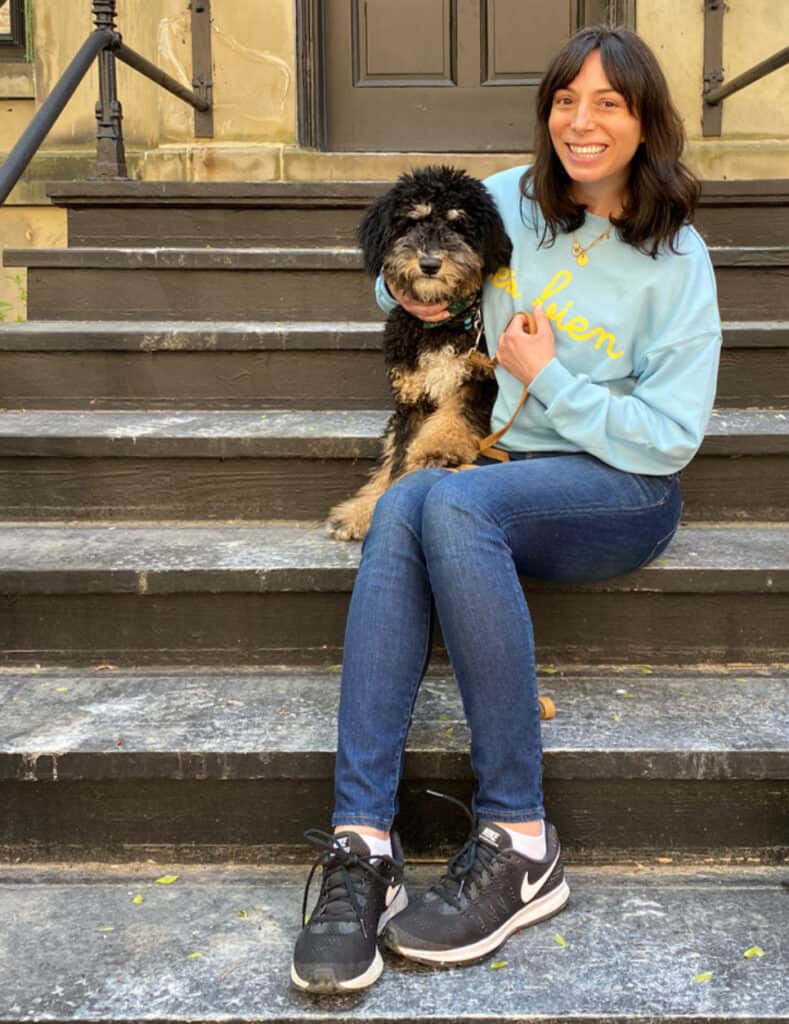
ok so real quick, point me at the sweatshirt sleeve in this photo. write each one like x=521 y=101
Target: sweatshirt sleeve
x=383 y=296
x=660 y=424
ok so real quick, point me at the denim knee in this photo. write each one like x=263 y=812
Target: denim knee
x=400 y=507
x=450 y=515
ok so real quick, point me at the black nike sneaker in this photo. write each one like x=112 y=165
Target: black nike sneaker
x=337 y=949
x=488 y=892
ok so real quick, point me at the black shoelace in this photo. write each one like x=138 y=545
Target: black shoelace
x=472 y=866
x=345 y=880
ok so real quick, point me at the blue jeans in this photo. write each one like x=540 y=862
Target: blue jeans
x=462 y=539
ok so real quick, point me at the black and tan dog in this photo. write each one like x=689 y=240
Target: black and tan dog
x=436 y=235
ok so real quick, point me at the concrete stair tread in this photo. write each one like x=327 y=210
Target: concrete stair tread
x=637 y=944
x=338 y=257
x=627 y=723
x=260 y=557
x=234 y=335
x=330 y=433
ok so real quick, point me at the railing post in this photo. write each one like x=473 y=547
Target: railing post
x=110 y=153
x=712 y=116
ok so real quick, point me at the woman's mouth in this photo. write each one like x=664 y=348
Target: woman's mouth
x=586 y=152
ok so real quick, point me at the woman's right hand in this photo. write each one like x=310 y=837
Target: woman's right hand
x=431 y=312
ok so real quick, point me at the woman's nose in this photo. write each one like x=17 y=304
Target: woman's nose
x=583 y=117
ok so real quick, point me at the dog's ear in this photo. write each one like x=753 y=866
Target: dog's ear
x=495 y=244
x=373 y=233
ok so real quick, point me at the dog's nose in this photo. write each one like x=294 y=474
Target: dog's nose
x=430 y=264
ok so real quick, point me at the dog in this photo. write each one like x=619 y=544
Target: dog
x=436 y=235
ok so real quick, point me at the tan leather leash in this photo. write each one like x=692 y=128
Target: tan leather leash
x=478 y=359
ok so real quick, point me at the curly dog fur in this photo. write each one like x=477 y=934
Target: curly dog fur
x=437 y=235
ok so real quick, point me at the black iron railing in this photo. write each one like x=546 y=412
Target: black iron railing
x=106 y=44
x=715 y=92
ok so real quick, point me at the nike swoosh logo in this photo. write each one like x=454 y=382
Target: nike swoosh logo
x=530 y=889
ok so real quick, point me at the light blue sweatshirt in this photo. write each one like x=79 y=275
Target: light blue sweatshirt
x=637 y=341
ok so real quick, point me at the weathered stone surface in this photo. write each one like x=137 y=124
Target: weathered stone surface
x=646 y=945
x=640 y=723
x=148 y=559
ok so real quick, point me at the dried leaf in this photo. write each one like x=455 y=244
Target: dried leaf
x=645 y=670
x=703 y=977
x=560 y=940
x=63 y=689
x=167 y=879
x=664 y=860
x=194 y=956
x=498 y=964
x=616 y=717
x=549 y=670
x=753 y=952
x=138 y=900
x=242 y=913
x=105 y=666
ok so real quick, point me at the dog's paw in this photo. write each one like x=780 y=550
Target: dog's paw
x=337 y=529
x=442 y=460
x=349 y=520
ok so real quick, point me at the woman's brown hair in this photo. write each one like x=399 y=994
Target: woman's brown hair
x=661 y=191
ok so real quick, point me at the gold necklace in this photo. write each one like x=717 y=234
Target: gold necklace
x=580 y=251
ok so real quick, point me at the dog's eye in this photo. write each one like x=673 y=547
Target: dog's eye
x=420 y=211
x=455 y=214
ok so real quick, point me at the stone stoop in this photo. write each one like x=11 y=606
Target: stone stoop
x=200 y=382
x=639 y=943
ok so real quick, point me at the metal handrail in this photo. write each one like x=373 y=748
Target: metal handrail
x=764 y=67
x=106 y=44
x=714 y=91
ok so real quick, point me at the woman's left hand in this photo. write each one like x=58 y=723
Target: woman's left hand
x=523 y=354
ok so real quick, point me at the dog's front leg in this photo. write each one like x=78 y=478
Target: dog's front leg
x=350 y=520
x=445 y=438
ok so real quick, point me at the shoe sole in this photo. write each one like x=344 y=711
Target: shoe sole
x=324 y=980
x=538 y=910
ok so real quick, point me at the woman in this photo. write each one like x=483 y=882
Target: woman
x=621 y=375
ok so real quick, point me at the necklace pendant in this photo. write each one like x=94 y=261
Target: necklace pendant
x=581 y=258
x=577 y=250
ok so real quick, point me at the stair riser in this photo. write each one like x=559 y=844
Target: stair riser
x=744 y=293
x=714 y=488
x=217 y=626
x=204 y=225
x=252 y=820
x=318 y=379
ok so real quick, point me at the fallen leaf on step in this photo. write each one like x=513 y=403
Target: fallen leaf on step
x=104 y=667
x=498 y=964
x=704 y=976
x=560 y=940
x=167 y=879
x=753 y=952
x=138 y=900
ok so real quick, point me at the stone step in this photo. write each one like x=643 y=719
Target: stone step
x=278 y=283
x=277 y=593
x=297 y=465
x=103 y=364
x=327 y=213
x=208 y=765
x=645 y=943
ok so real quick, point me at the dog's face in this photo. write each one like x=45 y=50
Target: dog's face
x=437 y=234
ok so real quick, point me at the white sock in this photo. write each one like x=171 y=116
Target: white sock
x=377 y=847
x=533 y=847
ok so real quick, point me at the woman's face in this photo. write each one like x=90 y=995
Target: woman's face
x=593 y=132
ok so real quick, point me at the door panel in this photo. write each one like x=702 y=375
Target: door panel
x=437 y=75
